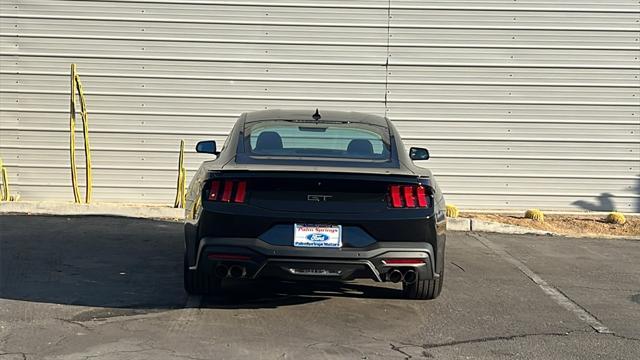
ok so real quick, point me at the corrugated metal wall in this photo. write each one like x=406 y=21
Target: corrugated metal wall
x=522 y=103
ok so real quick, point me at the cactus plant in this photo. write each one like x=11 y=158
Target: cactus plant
x=452 y=211
x=616 y=218
x=534 y=214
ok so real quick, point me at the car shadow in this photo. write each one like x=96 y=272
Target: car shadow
x=271 y=293
x=124 y=263
x=93 y=261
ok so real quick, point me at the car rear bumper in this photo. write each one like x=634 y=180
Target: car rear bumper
x=258 y=258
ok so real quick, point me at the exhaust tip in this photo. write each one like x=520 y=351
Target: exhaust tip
x=236 y=272
x=221 y=271
x=395 y=276
x=410 y=277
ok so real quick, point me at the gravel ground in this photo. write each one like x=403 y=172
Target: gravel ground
x=570 y=225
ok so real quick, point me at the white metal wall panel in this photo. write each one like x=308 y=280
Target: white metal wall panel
x=156 y=72
x=522 y=103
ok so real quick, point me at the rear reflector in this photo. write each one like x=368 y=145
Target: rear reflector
x=404 y=261
x=226 y=190
x=408 y=196
x=216 y=256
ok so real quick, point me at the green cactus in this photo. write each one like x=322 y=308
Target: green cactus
x=616 y=218
x=534 y=214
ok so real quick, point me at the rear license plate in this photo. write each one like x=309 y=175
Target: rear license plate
x=319 y=236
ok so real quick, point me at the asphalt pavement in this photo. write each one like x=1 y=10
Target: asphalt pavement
x=111 y=288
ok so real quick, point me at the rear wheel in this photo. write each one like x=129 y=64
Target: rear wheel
x=199 y=283
x=423 y=289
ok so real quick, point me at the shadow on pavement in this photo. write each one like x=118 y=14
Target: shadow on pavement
x=124 y=263
x=274 y=293
x=91 y=261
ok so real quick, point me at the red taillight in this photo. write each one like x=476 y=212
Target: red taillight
x=423 y=199
x=226 y=194
x=226 y=190
x=396 y=200
x=408 y=196
x=241 y=191
x=215 y=188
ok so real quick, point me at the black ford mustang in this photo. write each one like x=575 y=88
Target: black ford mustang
x=327 y=195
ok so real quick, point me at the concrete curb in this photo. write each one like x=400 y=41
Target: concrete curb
x=462 y=224
x=496 y=227
x=106 y=209
x=458 y=224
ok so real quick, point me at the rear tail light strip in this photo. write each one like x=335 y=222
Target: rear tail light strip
x=408 y=196
x=228 y=191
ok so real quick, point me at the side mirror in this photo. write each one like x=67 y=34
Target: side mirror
x=206 y=147
x=416 y=153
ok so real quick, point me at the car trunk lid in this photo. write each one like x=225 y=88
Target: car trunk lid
x=316 y=192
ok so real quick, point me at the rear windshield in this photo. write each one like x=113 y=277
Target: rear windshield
x=318 y=140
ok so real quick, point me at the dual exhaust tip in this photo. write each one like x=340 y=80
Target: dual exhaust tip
x=233 y=271
x=408 y=276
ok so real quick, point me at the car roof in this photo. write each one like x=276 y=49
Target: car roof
x=307 y=114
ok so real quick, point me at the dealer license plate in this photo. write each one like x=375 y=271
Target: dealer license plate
x=319 y=236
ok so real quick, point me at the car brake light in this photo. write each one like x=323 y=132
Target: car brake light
x=423 y=199
x=396 y=200
x=215 y=188
x=226 y=194
x=226 y=190
x=240 y=192
x=408 y=196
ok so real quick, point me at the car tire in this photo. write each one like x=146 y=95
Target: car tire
x=423 y=289
x=199 y=283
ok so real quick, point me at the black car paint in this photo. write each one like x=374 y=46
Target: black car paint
x=247 y=223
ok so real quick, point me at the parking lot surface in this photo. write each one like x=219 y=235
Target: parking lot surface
x=111 y=288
